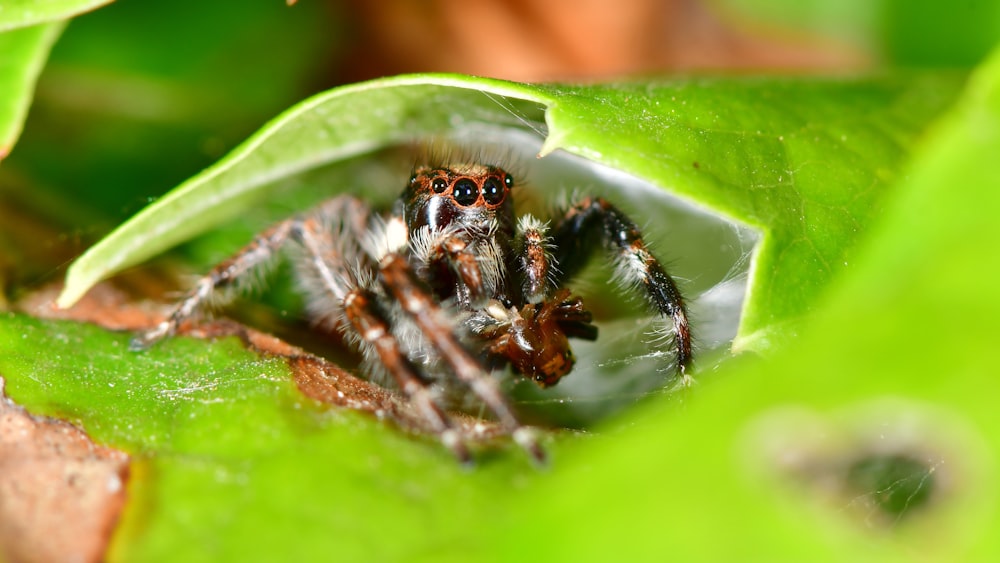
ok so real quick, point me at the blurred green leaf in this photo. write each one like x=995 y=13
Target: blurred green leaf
x=901 y=358
x=129 y=107
x=942 y=34
x=24 y=13
x=854 y=21
x=24 y=53
x=899 y=32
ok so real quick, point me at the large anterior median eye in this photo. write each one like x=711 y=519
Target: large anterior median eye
x=492 y=191
x=465 y=192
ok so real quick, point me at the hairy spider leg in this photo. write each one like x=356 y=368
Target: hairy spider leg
x=400 y=281
x=366 y=317
x=260 y=252
x=591 y=217
x=328 y=235
x=254 y=255
x=371 y=323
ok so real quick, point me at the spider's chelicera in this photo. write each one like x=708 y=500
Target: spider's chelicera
x=451 y=285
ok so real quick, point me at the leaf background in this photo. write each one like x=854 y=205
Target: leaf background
x=230 y=461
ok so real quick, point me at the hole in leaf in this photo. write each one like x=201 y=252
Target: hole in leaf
x=888 y=466
x=896 y=484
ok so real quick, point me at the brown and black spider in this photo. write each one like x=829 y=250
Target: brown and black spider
x=452 y=285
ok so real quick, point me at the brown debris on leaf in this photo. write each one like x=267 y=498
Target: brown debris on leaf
x=326 y=382
x=60 y=494
x=104 y=305
x=317 y=378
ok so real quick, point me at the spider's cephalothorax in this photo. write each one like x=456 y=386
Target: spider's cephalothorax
x=468 y=208
x=451 y=285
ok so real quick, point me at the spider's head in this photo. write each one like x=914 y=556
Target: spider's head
x=467 y=194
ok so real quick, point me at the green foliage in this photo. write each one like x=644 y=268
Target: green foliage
x=785 y=156
x=921 y=34
x=866 y=432
x=24 y=53
x=24 y=13
x=232 y=461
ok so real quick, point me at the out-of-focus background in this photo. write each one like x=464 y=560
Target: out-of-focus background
x=139 y=96
x=567 y=40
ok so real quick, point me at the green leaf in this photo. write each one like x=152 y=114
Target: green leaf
x=805 y=161
x=23 y=13
x=760 y=151
x=182 y=100
x=333 y=126
x=24 y=53
x=900 y=359
x=233 y=462
x=902 y=33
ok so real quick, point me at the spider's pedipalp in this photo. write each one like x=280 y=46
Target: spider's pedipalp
x=536 y=260
x=475 y=260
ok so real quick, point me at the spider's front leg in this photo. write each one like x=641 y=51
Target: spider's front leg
x=399 y=280
x=362 y=311
x=593 y=220
x=343 y=296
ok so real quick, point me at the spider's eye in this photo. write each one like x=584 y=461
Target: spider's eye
x=508 y=180
x=465 y=192
x=439 y=185
x=492 y=191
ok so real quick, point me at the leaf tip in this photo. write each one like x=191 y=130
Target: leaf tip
x=549 y=146
x=73 y=290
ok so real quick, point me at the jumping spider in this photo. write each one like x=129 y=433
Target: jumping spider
x=452 y=283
